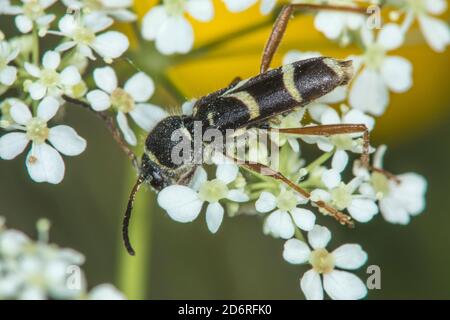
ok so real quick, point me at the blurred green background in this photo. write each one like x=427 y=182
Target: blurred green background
x=184 y=261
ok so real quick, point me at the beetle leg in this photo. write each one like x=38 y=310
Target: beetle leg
x=334 y=129
x=259 y=168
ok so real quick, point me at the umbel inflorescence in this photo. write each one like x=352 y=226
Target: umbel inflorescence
x=35 y=85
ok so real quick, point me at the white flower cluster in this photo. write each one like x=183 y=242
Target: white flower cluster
x=34 y=83
x=38 y=270
x=370 y=191
x=167 y=25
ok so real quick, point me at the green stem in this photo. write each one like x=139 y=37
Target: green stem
x=134 y=271
x=319 y=161
x=35 y=52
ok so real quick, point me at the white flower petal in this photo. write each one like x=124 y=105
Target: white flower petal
x=20 y=113
x=331 y=178
x=201 y=10
x=97 y=21
x=393 y=212
x=369 y=93
x=279 y=224
x=105 y=78
x=66 y=140
x=311 y=285
x=12 y=144
x=435 y=31
x=293 y=143
x=47 y=108
x=188 y=107
x=303 y=218
x=32 y=69
x=140 y=87
x=70 y=76
x=128 y=134
x=349 y=256
x=37 y=90
x=316 y=110
x=391 y=36
x=86 y=51
x=237 y=195
x=153 y=21
x=239 y=5
x=436 y=7
x=175 y=36
x=111 y=44
x=356 y=116
x=8 y=75
x=99 y=100
x=319 y=194
x=330 y=116
x=362 y=210
x=227 y=172
x=266 y=202
x=199 y=178
x=65 y=46
x=105 y=292
x=295 y=55
x=147 y=115
x=331 y=24
x=296 y=251
x=342 y=285
x=319 y=237
x=13 y=242
x=23 y=23
x=67 y=24
x=335 y=96
x=181 y=203
x=267 y=6
x=123 y=15
x=51 y=60
x=339 y=161
x=397 y=73
x=45 y=164
x=214 y=216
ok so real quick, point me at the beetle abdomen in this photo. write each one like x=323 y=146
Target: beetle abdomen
x=276 y=91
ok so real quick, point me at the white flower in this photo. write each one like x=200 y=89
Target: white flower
x=435 y=31
x=6 y=121
x=43 y=161
x=30 y=13
x=265 y=7
x=48 y=80
x=82 y=34
x=398 y=200
x=325 y=115
x=282 y=222
x=129 y=100
x=292 y=120
x=339 y=25
x=369 y=91
x=8 y=74
x=117 y=9
x=105 y=292
x=169 y=28
x=342 y=196
x=37 y=270
x=339 y=285
x=183 y=203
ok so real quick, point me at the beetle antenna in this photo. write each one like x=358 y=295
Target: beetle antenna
x=127 y=216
